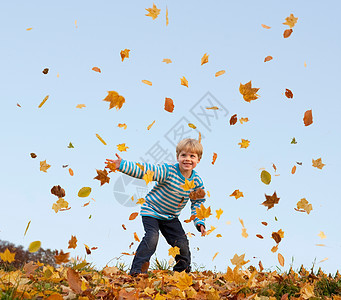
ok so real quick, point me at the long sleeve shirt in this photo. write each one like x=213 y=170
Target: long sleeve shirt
x=167 y=198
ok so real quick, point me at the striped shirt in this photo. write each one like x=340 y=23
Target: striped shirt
x=167 y=198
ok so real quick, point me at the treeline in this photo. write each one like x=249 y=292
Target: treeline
x=23 y=256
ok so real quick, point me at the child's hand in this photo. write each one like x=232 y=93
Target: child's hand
x=117 y=161
x=202 y=230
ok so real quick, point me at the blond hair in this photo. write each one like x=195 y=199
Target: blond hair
x=191 y=145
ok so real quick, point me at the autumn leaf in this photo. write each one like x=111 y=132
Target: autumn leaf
x=34 y=246
x=293 y=141
x=71 y=172
x=140 y=201
x=74 y=280
x=304 y=204
x=60 y=204
x=322 y=235
x=72 y=242
x=169 y=105
x=192 y=126
x=293 y=170
x=124 y=126
x=265 y=177
x=122 y=147
x=264 y=223
x=239 y=261
x=30 y=267
x=58 y=191
x=244 y=233
x=233 y=119
x=265 y=26
x=7 y=256
x=204 y=59
x=184 y=81
x=153 y=12
x=99 y=137
x=148 y=176
x=259 y=236
x=167 y=61
x=243 y=120
x=237 y=194
x=111 y=166
x=44 y=166
x=124 y=54
x=133 y=216
x=197 y=194
x=287 y=33
x=70 y=145
x=96 y=69
x=115 y=99
x=212 y=107
x=150 y=125
x=219 y=73
x=167 y=20
x=28 y=225
x=270 y=200
x=289 y=94
x=43 y=102
x=203 y=212
x=268 y=58
x=61 y=257
x=274 y=249
x=244 y=143
x=28 y=29
x=218 y=235
x=188 y=185
x=190 y=219
x=281 y=259
x=147 y=82
x=215 y=255
x=290 y=21
x=219 y=212
x=136 y=237
x=102 y=176
x=33 y=155
x=45 y=71
x=318 y=163
x=174 y=251
x=183 y=280
x=214 y=158
x=84 y=192
x=248 y=92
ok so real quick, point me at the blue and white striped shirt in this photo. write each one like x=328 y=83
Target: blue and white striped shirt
x=167 y=198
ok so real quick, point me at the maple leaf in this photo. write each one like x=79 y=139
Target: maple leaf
x=111 y=166
x=268 y=58
x=174 y=251
x=140 y=201
x=184 y=81
x=122 y=147
x=7 y=256
x=70 y=145
x=219 y=73
x=190 y=219
x=150 y=125
x=244 y=143
x=58 y=191
x=124 y=126
x=219 y=212
x=293 y=141
x=188 y=185
x=124 y=54
x=147 y=82
x=115 y=99
x=72 y=242
x=322 y=235
x=239 y=261
x=242 y=120
x=304 y=204
x=291 y=21
x=96 y=69
x=102 y=176
x=153 y=12
x=203 y=212
x=184 y=280
x=60 y=204
x=248 y=92
x=211 y=230
x=233 y=119
x=30 y=267
x=271 y=200
x=44 y=166
x=169 y=105
x=204 y=59
x=167 y=60
x=318 y=163
x=148 y=176
x=136 y=237
x=237 y=194
x=61 y=257
x=133 y=216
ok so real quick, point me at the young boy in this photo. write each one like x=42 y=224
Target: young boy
x=165 y=201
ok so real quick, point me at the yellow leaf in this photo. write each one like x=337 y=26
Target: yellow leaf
x=307 y=291
x=140 y=166
x=44 y=100
x=322 y=235
x=219 y=73
x=153 y=12
x=28 y=225
x=291 y=21
x=7 y=256
x=237 y=194
x=304 y=204
x=148 y=176
x=211 y=230
x=218 y=235
x=188 y=185
x=244 y=143
x=173 y=251
x=124 y=126
x=28 y=29
x=318 y=163
x=192 y=126
x=167 y=61
x=84 y=192
x=140 y=201
x=242 y=120
x=167 y=20
x=326 y=258
x=204 y=59
x=248 y=92
x=305 y=64
x=265 y=177
x=124 y=54
x=80 y=105
x=184 y=81
x=99 y=137
x=208 y=194
x=244 y=233
x=241 y=222
x=147 y=82
x=184 y=281
x=203 y=212
x=122 y=147
x=150 y=125
x=219 y=212
x=215 y=255
x=44 y=166
x=34 y=246
x=115 y=99
x=239 y=260
x=136 y=237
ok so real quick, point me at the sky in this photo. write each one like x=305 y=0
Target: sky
x=70 y=38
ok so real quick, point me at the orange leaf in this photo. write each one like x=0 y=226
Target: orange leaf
x=72 y=242
x=74 y=281
x=259 y=236
x=268 y=58
x=184 y=81
x=99 y=137
x=265 y=223
x=61 y=257
x=96 y=69
x=190 y=219
x=136 y=237
x=274 y=248
x=219 y=73
x=147 y=82
x=124 y=227
x=293 y=170
x=71 y=171
x=214 y=158
x=281 y=259
x=102 y=176
x=287 y=33
x=133 y=215
x=115 y=99
x=308 y=118
x=124 y=54
x=124 y=126
x=289 y=93
x=265 y=26
x=169 y=105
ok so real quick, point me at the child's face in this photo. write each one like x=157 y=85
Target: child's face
x=187 y=160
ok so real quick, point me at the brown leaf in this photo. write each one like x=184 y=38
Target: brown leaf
x=145 y=267
x=72 y=242
x=74 y=281
x=124 y=227
x=289 y=93
x=271 y=200
x=102 y=176
x=261 y=268
x=45 y=71
x=276 y=237
x=285 y=296
x=18 y=105
x=233 y=119
x=133 y=215
x=268 y=58
x=58 y=191
x=96 y=69
x=287 y=33
x=265 y=223
x=197 y=194
x=61 y=257
x=308 y=118
x=169 y=105
x=55 y=297
x=259 y=236
x=87 y=249
x=33 y=155
x=30 y=267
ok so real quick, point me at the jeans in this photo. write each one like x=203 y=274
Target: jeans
x=174 y=235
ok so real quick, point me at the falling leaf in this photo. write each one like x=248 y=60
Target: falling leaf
x=244 y=143
x=289 y=94
x=265 y=223
x=192 y=126
x=304 y=204
x=61 y=257
x=124 y=126
x=74 y=281
x=45 y=71
x=270 y=200
x=76 y=24
x=70 y=145
x=115 y=99
x=293 y=170
x=96 y=69
x=322 y=235
x=321 y=245
x=58 y=191
x=60 y=204
x=140 y=201
x=291 y=21
x=70 y=171
x=239 y=261
x=215 y=255
x=133 y=216
x=287 y=33
x=34 y=246
x=57 y=75
x=281 y=259
x=147 y=82
x=18 y=105
x=203 y=212
x=111 y=166
x=214 y=158
x=219 y=73
x=242 y=120
x=87 y=249
x=28 y=225
x=212 y=107
x=44 y=166
x=148 y=176
x=28 y=29
x=204 y=59
x=150 y=125
x=72 y=242
x=184 y=81
x=169 y=105
x=30 y=267
x=197 y=194
x=219 y=212
x=136 y=237
x=259 y=236
x=268 y=58
x=265 y=26
x=265 y=177
x=80 y=105
x=274 y=249
x=153 y=12
x=248 y=92
x=167 y=60
x=99 y=137
x=188 y=185
x=305 y=64
x=244 y=233
x=122 y=147
x=233 y=119
x=84 y=192
x=43 y=102
x=174 y=251
x=124 y=54
x=7 y=256
x=293 y=141
x=323 y=260
x=218 y=235
x=124 y=227
x=86 y=204
x=237 y=194
x=167 y=22
x=102 y=176
x=318 y=163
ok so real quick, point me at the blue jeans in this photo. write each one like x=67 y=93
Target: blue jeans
x=174 y=235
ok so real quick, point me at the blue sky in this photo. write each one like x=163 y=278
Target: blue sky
x=232 y=35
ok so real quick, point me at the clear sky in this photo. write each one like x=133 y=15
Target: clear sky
x=72 y=37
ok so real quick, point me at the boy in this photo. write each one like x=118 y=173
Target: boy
x=165 y=201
